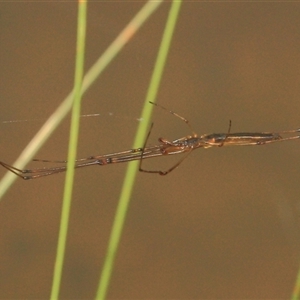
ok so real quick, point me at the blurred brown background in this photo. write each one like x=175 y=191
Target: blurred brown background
x=225 y=224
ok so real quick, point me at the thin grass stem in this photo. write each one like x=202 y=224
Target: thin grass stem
x=132 y=168
x=73 y=141
x=296 y=290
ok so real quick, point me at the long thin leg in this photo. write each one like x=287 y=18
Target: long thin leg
x=34 y=173
x=281 y=139
x=169 y=170
x=229 y=128
x=186 y=121
x=144 y=146
x=14 y=170
x=31 y=174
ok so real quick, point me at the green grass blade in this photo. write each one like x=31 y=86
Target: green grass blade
x=296 y=291
x=73 y=141
x=138 y=142
x=55 y=119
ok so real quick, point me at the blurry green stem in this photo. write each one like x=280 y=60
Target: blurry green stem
x=138 y=142
x=296 y=291
x=73 y=141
